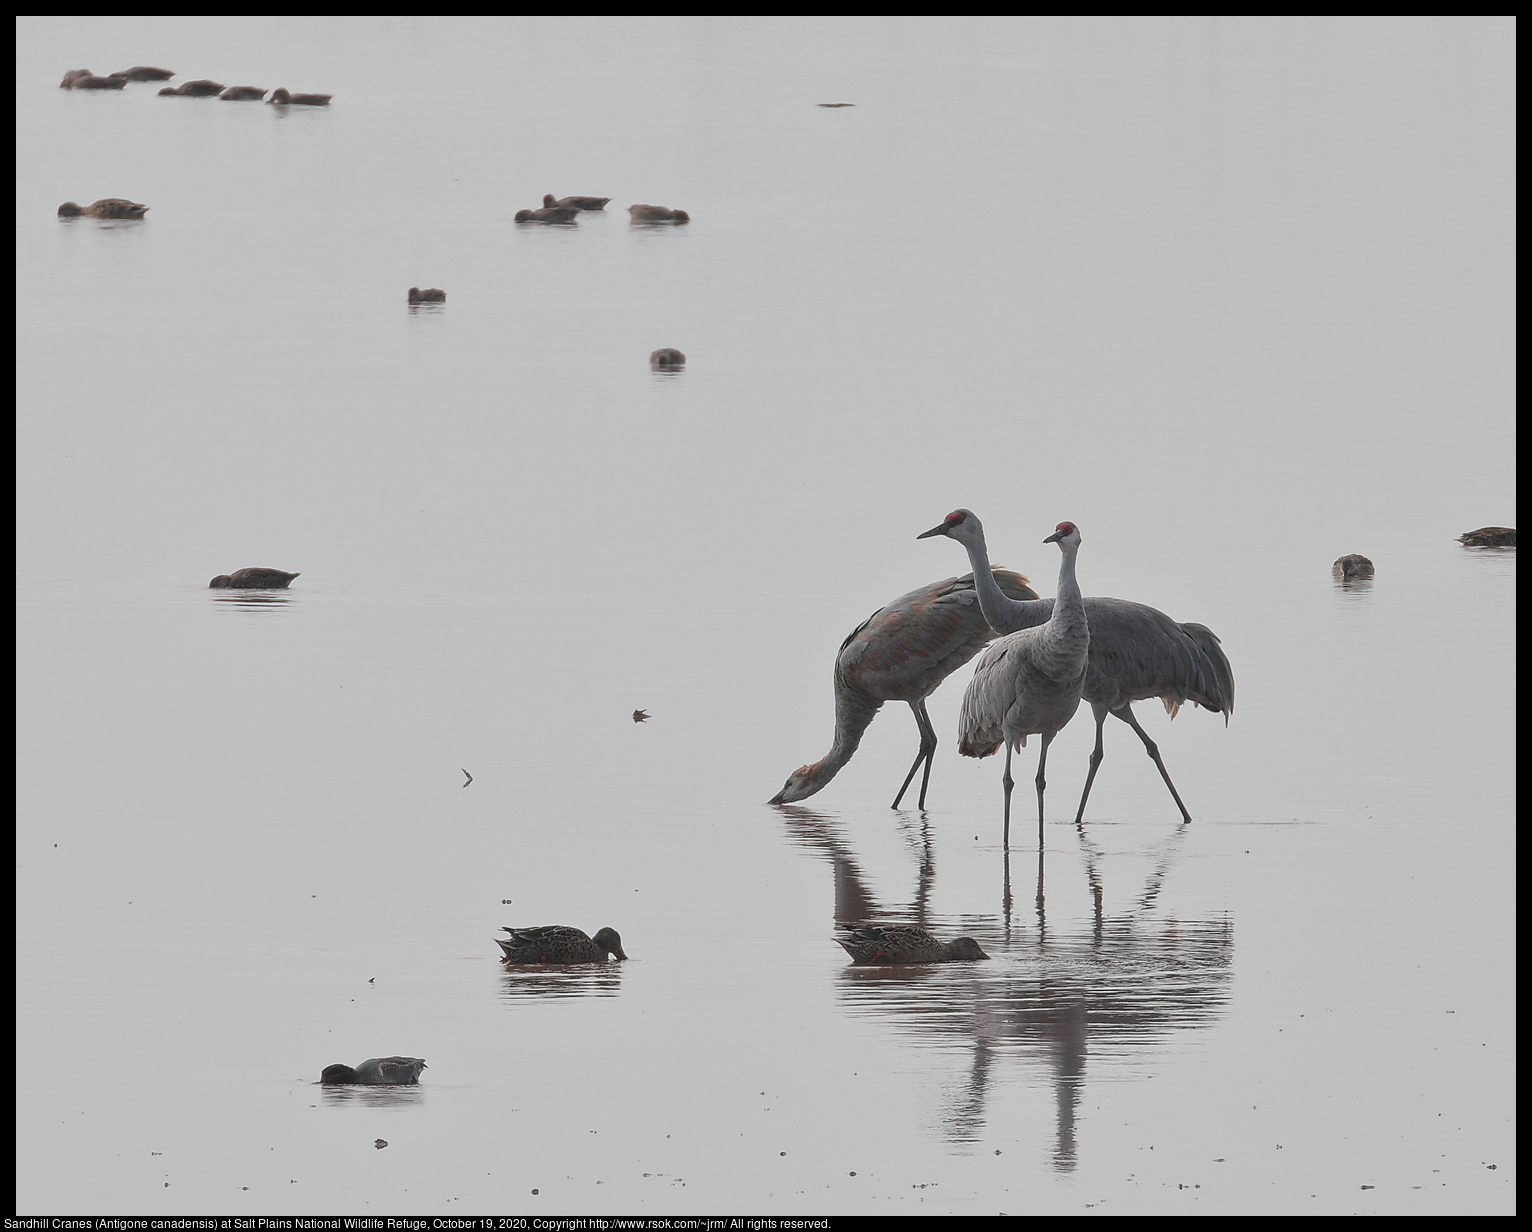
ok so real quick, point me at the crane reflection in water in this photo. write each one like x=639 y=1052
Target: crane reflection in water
x=1058 y=993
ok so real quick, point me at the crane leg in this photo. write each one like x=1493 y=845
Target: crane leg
x=1042 y=760
x=1095 y=760
x=1009 y=783
x=1126 y=715
x=926 y=754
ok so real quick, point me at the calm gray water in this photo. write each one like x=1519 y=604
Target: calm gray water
x=1231 y=294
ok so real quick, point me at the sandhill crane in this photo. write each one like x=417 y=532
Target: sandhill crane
x=1136 y=652
x=1028 y=683
x=901 y=653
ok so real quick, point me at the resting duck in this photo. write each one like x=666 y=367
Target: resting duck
x=907 y=945
x=578 y=203
x=252 y=579
x=1353 y=566
x=195 y=89
x=281 y=97
x=107 y=207
x=142 y=72
x=376 y=1071
x=431 y=295
x=667 y=357
x=557 y=213
x=243 y=94
x=1489 y=537
x=657 y=213
x=557 y=943
x=84 y=79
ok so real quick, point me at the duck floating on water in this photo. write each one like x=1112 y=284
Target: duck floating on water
x=84 y=79
x=195 y=89
x=869 y=945
x=667 y=359
x=1489 y=537
x=243 y=94
x=558 y=943
x=282 y=98
x=252 y=579
x=107 y=207
x=1353 y=566
x=431 y=295
x=578 y=203
x=143 y=72
x=556 y=213
x=375 y=1072
x=657 y=213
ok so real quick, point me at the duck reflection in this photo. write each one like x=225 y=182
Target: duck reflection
x=1117 y=985
x=253 y=598
x=557 y=980
x=1353 y=587
x=372 y=1096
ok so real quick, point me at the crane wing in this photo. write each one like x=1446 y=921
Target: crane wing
x=989 y=694
x=1138 y=652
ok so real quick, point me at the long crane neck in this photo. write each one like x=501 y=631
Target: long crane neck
x=853 y=712
x=1066 y=636
x=1002 y=613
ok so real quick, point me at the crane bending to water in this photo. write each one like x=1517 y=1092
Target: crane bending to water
x=1028 y=683
x=1136 y=652
x=901 y=653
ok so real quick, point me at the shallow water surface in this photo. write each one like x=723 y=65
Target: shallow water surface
x=1231 y=294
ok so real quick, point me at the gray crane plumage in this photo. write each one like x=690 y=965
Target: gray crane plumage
x=1136 y=652
x=902 y=653
x=1028 y=683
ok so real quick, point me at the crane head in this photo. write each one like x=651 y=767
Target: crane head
x=801 y=784
x=1067 y=534
x=958 y=524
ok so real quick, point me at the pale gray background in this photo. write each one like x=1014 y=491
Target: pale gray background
x=1232 y=294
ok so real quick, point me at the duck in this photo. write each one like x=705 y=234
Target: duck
x=557 y=213
x=252 y=579
x=657 y=213
x=107 y=207
x=282 y=98
x=578 y=203
x=195 y=89
x=1353 y=566
x=84 y=79
x=243 y=94
x=1489 y=537
x=431 y=295
x=906 y=945
x=143 y=72
x=376 y=1072
x=558 y=943
x=666 y=357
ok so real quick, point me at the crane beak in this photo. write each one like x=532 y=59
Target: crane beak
x=935 y=530
x=1053 y=538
